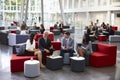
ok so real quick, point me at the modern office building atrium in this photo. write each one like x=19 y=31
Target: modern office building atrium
x=60 y=39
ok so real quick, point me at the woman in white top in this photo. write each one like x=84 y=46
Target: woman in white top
x=31 y=51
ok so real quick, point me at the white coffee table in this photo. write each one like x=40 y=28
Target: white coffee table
x=31 y=68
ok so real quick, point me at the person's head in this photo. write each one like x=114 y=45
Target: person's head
x=95 y=24
x=42 y=26
x=32 y=35
x=85 y=39
x=45 y=34
x=97 y=21
x=23 y=27
x=34 y=23
x=66 y=34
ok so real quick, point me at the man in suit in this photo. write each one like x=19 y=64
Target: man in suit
x=45 y=44
x=67 y=45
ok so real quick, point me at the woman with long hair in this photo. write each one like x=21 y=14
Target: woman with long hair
x=85 y=46
x=31 y=50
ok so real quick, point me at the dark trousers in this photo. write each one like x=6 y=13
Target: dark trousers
x=71 y=51
x=43 y=55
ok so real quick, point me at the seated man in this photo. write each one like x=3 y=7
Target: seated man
x=45 y=44
x=67 y=45
x=56 y=25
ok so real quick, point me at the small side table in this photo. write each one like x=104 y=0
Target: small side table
x=54 y=63
x=102 y=37
x=31 y=68
x=77 y=63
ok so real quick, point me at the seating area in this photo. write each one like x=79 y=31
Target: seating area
x=15 y=60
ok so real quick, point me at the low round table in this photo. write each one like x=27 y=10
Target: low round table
x=77 y=63
x=31 y=68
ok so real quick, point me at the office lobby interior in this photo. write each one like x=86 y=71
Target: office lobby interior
x=77 y=16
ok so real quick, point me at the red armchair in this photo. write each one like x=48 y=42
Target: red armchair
x=37 y=36
x=13 y=31
x=52 y=28
x=104 y=56
x=114 y=28
x=102 y=37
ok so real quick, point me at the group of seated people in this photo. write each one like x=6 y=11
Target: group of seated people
x=45 y=46
x=35 y=27
x=95 y=30
x=59 y=26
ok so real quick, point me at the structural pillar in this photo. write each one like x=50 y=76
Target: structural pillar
x=108 y=17
x=42 y=11
x=62 y=13
x=88 y=18
x=26 y=10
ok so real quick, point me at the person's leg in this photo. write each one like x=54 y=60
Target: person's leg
x=71 y=51
x=62 y=52
x=39 y=55
x=80 y=52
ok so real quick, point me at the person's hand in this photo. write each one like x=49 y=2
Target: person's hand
x=51 y=47
x=46 y=50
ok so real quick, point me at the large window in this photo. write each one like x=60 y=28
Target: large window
x=76 y=3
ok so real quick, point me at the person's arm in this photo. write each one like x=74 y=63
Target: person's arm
x=62 y=45
x=27 y=47
x=40 y=44
x=72 y=44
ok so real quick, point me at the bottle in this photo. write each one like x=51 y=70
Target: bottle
x=31 y=58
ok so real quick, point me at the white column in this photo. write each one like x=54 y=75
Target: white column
x=108 y=17
x=87 y=18
x=10 y=4
x=87 y=3
x=80 y=4
x=22 y=11
x=26 y=10
x=17 y=10
x=62 y=13
x=42 y=11
x=108 y=2
x=67 y=4
x=112 y=18
x=96 y=3
x=73 y=4
x=3 y=22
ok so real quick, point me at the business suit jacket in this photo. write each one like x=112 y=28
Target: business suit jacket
x=70 y=43
x=44 y=45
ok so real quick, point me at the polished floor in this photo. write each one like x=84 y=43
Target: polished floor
x=90 y=73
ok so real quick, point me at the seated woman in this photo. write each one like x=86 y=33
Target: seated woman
x=85 y=46
x=31 y=51
x=23 y=30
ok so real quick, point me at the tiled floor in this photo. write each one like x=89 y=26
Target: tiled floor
x=90 y=73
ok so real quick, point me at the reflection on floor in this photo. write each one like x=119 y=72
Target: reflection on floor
x=90 y=73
